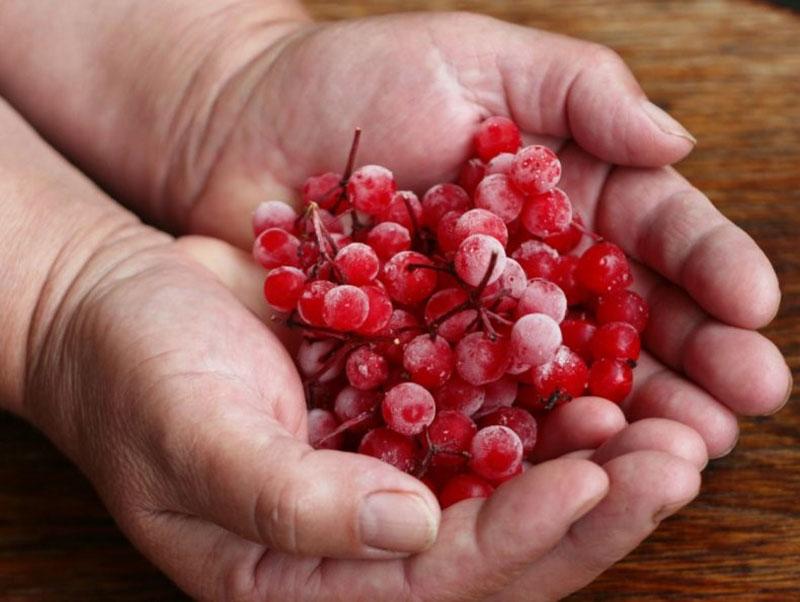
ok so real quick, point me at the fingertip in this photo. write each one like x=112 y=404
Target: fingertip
x=656 y=434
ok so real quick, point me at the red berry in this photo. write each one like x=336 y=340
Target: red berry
x=443 y=302
x=611 y=379
x=345 y=307
x=535 y=338
x=536 y=258
x=388 y=239
x=322 y=425
x=500 y=394
x=566 y=241
x=565 y=276
x=408 y=408
x=428 y=360
x=446 y=234
x=560 y=379
x=603 y=268
x=366 y=369
x=463 y=487
x=448 y=438
x=496 y=452
x=480 y=360
x=496 y=194
x=472 y=173
x=440 y=199
x=273 y=214
x=404 y=209
x=283 y=287
x=391 y=447
x=519 y=421
x=478 y=255
x=371 y=188
x=380 y=310
x=500 y=164
x=312 y=300
x=511 y=284
x=357 y=407
x=497 y=135
x=480 y=221
x=357 y=263
x=577 y=335
x=535 y=170
x=407 y=282
x=459 y=395
x=623 y=306
x=544 y=297
x=402 y=328
x=324 y=190
x=275 y=247
x=547 y=214
x=616 y=341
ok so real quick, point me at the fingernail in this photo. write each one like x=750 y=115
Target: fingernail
x=399 y=522
x=666 y=123
x=786 y=399
x=667 y=511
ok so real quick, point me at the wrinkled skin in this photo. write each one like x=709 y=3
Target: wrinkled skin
x=188 y=415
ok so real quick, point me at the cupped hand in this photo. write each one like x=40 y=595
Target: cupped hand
x=188 y=416
x=418 y=85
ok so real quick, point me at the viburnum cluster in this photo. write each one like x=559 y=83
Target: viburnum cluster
x=438 y=332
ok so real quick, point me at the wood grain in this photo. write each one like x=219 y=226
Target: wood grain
x=730 y=71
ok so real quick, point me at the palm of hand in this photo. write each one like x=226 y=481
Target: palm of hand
x=438 y=78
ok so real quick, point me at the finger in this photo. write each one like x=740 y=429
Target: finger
x=481 y=546
x=560 y=86
x=656 y=434
x=658 y=392
x=645 y=487
x=583 y=423
x=658 y=218
x=240 y=469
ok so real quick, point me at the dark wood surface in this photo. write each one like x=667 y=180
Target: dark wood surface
x=730 y=71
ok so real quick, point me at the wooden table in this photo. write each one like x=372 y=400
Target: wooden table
x=730 y=71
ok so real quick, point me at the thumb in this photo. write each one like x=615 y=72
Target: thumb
x=559 y=86
x=261 y=482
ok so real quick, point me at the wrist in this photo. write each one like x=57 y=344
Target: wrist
x=154 y=77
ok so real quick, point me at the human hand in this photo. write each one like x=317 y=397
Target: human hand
x=418 y=84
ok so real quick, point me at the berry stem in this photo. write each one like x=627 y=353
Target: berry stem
x=351 y=159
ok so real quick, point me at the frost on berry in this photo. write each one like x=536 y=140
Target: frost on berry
x=535 y=170
x=496 y=194
x=480 y=259
x=273 y=214
x=408 y=408
x=419 y=318
x=408 y=277
x=497 y=135
x=371 y=188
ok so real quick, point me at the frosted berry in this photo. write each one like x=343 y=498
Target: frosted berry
x=429 y=360
x=459 y=395
x=325 y=190
x=283 y=287
x=477 y=256
x=273 y=214
x=391 y=447
x=366 y=369
x=611 y=379
x=357 y=263
x=463 y=487
x=544 y=297
x=408 y=408
x=440 y=199
x=380 y=310
x=496 y=452
x=496 y=194
x=345 y=307
x=535 y=338
x=603 y=268
x=480 y=221
x=312 y=300
x=480 y=360
x=404 y=209
x=497 y=135
x=536 y=258
x=547 y=214
x=448 y=438
x=322 y=426
x=408 y=278
x=276 y=247
x=535 y=170
x=518 y=420
x=371 y=188
x=388 y=239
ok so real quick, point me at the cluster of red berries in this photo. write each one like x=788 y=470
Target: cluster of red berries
x=437 y=331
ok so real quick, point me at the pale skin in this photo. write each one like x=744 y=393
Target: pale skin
x=145 y=359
